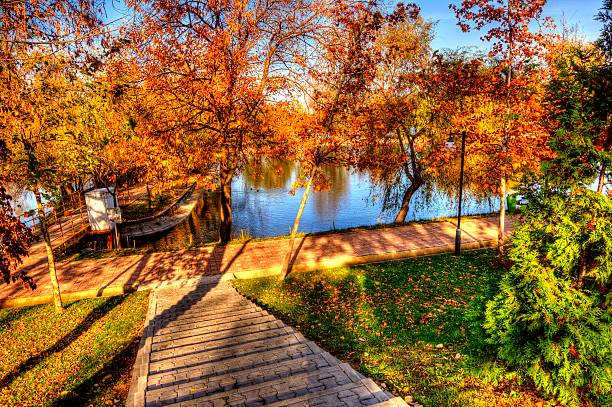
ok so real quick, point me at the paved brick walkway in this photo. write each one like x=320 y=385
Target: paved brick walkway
x=315 y=251
x=206 y=345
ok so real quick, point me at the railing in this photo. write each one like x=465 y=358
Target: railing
x=167 y=210
x=64 y=222
x=68 y=221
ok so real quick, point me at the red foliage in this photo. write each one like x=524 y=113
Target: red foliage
x=15 y=240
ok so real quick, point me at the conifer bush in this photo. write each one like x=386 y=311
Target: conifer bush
x=552 y=318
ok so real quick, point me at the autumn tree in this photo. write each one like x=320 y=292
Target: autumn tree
x=398 y=120
x=41 y=96
x=322 y=128
x=107 y=149
x=466 y=90
x=36 y=37
x=209 y=68
x=37 y=133
x=459 y=87
x=507 y=26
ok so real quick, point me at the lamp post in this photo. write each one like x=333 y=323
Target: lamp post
x=450 y=143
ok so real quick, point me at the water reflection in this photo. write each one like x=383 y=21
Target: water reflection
x=263 y=207
x=202 y=226
x=328 y=203
x=269 y=211
x=266 y=174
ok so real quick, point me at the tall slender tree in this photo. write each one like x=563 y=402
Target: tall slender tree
x=37 y=38
x=37 y=133
x=508 y=28
x=323 y=130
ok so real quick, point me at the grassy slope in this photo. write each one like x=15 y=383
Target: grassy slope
x=81 y=357
x=414 y=325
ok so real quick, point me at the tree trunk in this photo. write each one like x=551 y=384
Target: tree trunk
x=148 y=195
x=117 y=236
x=67 y=192
x=602 y=178
x=287 y=263
x=403 y=211
x=57 y=297
x=225 y=210
x=502 y=217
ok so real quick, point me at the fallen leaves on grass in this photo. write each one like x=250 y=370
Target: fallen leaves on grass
x=84 y=354
x=388 y=319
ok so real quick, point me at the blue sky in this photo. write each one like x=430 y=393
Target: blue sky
x=448 y=35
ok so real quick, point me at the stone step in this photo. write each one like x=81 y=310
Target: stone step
x=212 y=314
x=207 y=385
x=218 y=335
x=260 y=359
x=209 y=329
x=393 y=402
x=193 y=292
x=181 y=298
x=204 y=323
x=193 y=286
x=178 y=310
x=233 y=351
x=363 y=392
x=265 y=393
x=211 y=300
x=231 y=340
x=209 y=346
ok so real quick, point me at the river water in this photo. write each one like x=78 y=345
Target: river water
x=263 y=207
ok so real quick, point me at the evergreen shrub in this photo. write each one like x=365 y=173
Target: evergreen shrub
x=551 y=318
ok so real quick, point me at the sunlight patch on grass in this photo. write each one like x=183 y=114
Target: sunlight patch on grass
x=81 y=357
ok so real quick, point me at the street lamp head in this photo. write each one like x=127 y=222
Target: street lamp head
x=450 y=143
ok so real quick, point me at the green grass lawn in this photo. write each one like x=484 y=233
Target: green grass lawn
x=81 y=357
x=413 y=325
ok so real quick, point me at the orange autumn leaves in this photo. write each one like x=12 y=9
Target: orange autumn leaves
x=472 y=97
x=209 y=70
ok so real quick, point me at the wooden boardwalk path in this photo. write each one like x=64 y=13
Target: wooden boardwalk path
x=207 y=345
x=180 y=211
x=63 y=231
x=67 y=229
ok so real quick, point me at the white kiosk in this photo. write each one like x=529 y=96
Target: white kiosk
x=103 y=214
x=98 y=202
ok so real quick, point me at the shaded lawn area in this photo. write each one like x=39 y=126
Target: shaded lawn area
x=81 y=357
x=413 y=325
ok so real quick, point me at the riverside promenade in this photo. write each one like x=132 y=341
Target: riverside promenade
x=111 y=276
